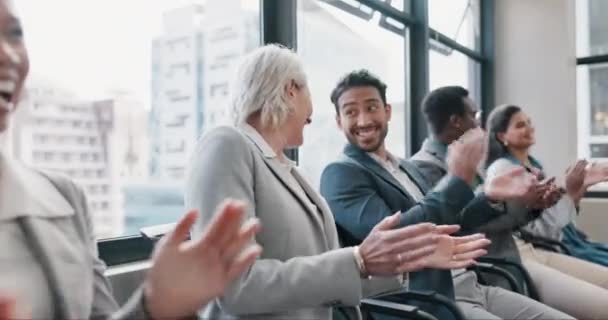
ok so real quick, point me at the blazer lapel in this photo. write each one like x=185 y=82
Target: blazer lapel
x=278 y=169
x=365 y=160
x=298 y=191
x=415 y=175
x=47 y=264
x=323 y=209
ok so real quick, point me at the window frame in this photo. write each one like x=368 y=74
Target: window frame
x=590 y=60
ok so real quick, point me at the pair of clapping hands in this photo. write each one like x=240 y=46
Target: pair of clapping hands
x=467 y=154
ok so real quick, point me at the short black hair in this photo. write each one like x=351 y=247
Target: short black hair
x=440 y=104
x=357 y=78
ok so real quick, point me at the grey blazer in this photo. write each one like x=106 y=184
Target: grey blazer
x=64 y=245
x=102 y=305
x=302 y=271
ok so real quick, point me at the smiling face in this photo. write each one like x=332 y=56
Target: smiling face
x=14 y=64
x=519 y=133
x=363 y=117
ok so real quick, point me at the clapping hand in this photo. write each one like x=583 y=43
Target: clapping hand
x=515 y=184
x=7 y=308
x=389 y=250
x=575 y=180
x=456 y=252
x=187 y=275
x=466 y=154
x=596 y=173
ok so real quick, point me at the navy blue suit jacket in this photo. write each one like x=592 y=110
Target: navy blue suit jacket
x=361 y=193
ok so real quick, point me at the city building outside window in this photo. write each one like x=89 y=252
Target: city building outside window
x=94 y=108
x=592 y=81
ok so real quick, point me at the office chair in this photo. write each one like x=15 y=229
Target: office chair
x=374 y=308
x=519 y=273
x=483 y=268
x=402 y=311
x=544 y=243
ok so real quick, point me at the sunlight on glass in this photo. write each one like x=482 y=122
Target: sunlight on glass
x=119 y=92
x=452 y=68
x=326 y=32
x=592 y=82
x=457 y=19
x=592 y=27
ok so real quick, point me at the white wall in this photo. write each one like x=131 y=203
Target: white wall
x=536 y=69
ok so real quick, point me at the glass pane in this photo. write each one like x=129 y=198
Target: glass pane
x=457 y=19
x=401 y=5
x=452 y=68
x=592 y=101
x=118 y=104
x=592 y=27
x=598 y=96
x=326 y=33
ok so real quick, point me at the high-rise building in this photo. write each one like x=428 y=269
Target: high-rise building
x=130 y=138
x=177 y=92
x=231 y=30
x=192 y=66
x=55 y=132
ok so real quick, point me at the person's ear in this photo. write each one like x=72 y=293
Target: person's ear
x=455 y=121
x=291 y=89
x=501 y=139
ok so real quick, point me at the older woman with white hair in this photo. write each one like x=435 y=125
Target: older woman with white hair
x=302 y=271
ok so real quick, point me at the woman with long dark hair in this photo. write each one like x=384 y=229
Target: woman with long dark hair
x=511 y=135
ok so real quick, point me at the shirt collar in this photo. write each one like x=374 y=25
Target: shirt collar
x=440 y=149
x=389 y=161
x=262 y=145
x=25 y=192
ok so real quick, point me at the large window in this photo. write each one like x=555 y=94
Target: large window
x=460 y=20
x=370 y=36
x=120 y=90
x=592 y=81
x=326 y=33
x=457 y=19
x=448 y=67
x=592 y=27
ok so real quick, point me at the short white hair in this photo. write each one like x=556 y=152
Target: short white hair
x=261 y=82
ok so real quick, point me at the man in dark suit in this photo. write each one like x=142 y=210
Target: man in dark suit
x=369 y=183
x=449 y=112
